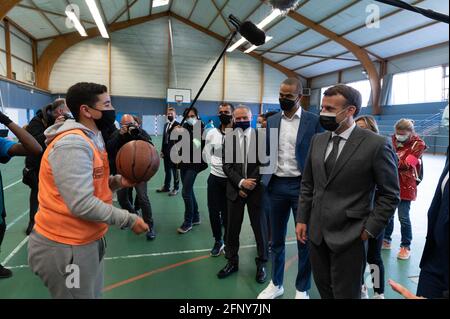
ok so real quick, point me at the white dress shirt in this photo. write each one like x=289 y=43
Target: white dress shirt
x=287 y=165
x=444 y=183
x=344 y=137
x=213 y=152
x=248 y=134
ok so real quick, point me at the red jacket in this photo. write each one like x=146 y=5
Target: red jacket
x=409 y=163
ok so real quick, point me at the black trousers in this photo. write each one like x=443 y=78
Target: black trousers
x=217 y=205
x=2 y=230
x=143 y=200
x=31 y=178
x=338 y=274
x=170 y=170
x=257 y=220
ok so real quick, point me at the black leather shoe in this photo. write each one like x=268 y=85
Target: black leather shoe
x=163 y=190
x=227 y=271
x=5 y=273
x=261 y=274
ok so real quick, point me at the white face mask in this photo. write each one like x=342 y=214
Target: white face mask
x=191 y=121
x=402 y=138
x=259 y=125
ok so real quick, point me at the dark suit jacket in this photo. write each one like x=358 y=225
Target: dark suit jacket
x=338 y=209
x=309 y=126
x=166 y=142
x=436 y=252
x=233 y=169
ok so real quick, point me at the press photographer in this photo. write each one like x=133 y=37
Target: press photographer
x=130 y=130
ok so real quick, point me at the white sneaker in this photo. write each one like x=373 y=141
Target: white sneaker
x=301 y=295
x=271 y=292
x=378 y=296
x=364 y=292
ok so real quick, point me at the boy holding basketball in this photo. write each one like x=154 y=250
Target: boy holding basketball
x=67 y=245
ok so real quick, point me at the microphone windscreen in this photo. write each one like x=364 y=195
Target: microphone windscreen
x=252 y=33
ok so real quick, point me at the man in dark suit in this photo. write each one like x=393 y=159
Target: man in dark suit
x=337 y=204
x=295 y=128
x=433 y=279
x=242 y=167
x=169 y=167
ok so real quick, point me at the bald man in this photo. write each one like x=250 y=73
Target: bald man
x=130 y=130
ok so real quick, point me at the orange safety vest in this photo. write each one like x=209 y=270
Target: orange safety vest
x=54 y=219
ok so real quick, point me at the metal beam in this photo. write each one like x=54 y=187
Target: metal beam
x=376 y=42
x=219 y=13
x=123 y=11
x=192 y=10
x=361 y=26
x=24 y=6
x=357 y=51
x=45 y=17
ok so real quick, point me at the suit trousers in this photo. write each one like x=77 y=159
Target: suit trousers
x=338 y=274
x=257 y=220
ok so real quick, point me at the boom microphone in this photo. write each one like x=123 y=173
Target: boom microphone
x=249 y=31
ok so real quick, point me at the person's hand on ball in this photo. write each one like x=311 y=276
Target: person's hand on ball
x=127 y=183
x=140 y=227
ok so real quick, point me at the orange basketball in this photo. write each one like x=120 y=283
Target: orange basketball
x=137 y=161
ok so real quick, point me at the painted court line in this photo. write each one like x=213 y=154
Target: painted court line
x=11 y=185
x=15 y=251
x=169 y=253
x=11 y=224
x=153 y=272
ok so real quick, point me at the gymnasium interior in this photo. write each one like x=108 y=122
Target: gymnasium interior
x=154 y=54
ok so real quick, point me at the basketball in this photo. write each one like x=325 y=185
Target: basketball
x=137 y=161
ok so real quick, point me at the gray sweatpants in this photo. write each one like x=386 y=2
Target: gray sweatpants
x=69 y=272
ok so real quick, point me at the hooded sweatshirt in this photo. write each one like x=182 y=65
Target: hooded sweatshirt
x=71 y=161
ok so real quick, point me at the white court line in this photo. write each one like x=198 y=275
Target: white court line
x=11 y=185
x=15 y=251
x=9 y=225
x=160 y=254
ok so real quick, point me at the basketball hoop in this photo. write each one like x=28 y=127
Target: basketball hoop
x=179 y=99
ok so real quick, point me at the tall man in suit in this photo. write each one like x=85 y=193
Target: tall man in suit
x=433 y=279
x=337 y=204
x=170 y=168
x=295 y=128
x=242 y=167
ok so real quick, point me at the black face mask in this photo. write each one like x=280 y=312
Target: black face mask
x=225 y=119
x=107 y=120
x=170 y=118
x=287 y=105
x=329 y=121
x=242 y=125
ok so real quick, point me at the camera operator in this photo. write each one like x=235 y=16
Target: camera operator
x=129 y=131
x=51 y=114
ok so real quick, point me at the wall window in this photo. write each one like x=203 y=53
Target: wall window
x=364 y=88
x=445 y=89
x=420 y=86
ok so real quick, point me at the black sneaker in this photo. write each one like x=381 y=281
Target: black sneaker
x=5 y=273
x=185 y=228
x=196 y=221
x=163 y=190
x=217 y=249
x=151 y=234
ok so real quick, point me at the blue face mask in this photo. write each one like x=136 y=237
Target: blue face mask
x=242 y=125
